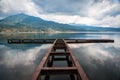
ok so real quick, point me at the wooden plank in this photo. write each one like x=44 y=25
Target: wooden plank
x=42 y=63
x=48 y=41
x=81 y=72
x=59 y=59
x=58 y=71
x=60 y=43
x=60 y=47
x=59 y=53
x=29 y=41
x=89 y=41
x=11 y=41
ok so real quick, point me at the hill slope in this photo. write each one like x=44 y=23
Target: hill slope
x=26 y=23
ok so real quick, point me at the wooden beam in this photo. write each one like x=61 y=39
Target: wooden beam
x=58 y=71
x=59 y=53
x=81 y=72
x=49 y=41
x=59 y=59
x=60 y=47
x=89 y=41
x=42 y=63
x=29 y=41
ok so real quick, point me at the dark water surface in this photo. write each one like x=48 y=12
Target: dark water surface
x=101 y=61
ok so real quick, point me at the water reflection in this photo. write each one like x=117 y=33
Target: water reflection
x=19 y=64
x=100 y=61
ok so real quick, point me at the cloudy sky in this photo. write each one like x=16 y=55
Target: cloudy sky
x=88 y=12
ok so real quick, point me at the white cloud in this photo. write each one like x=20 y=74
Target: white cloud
x=94 y=12
x=19 y=6
x=105 y=13
x=68 y=19
x=110 y=21
x=101 y=9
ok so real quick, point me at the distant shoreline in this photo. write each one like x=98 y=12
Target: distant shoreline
x=53 y=32
x=35 y=32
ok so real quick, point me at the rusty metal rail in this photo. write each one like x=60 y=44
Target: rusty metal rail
x=46 y=69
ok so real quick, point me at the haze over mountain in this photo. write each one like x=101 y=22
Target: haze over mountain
x=26 y=23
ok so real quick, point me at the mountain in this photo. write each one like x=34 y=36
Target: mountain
x=26 y=23
x=93 y=28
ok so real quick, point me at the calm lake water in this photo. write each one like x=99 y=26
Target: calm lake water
x=100 y=61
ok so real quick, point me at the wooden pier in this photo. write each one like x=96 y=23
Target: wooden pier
x=59 y=51
x=46 y=69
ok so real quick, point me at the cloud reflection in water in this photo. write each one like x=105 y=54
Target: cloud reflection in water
x=100 y=61
x=19 y=64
